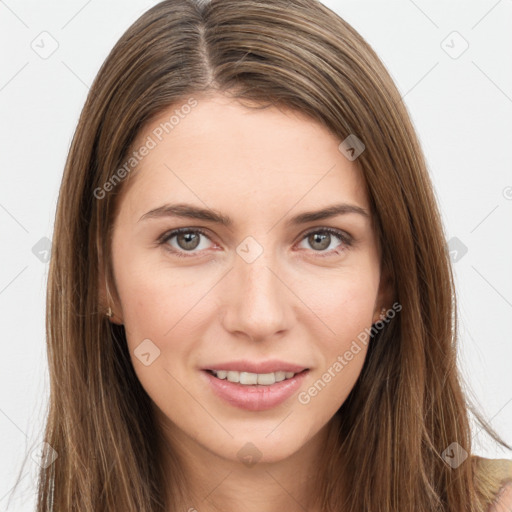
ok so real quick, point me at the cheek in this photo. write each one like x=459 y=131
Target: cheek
x=346 y=308
x=347 y=311
x=144 y=299
x=161 y=304
x=160 y=322
x=346 y=300
x=148 y=294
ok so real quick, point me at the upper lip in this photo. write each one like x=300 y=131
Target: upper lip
x=270 y=366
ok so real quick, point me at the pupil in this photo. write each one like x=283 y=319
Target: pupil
x=190 y=243
x=324 y=240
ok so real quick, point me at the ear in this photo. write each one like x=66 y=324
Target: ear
x=105 y=298
x=385 y=295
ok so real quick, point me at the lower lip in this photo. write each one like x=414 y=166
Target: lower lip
x=255 y=397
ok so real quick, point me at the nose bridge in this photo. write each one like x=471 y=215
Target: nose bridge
x=257 y=302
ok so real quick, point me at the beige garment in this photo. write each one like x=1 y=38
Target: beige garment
x=493 y=481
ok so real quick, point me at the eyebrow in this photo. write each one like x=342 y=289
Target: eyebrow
x=189 y=211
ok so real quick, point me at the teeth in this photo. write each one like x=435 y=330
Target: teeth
x=265 y=379
x=280 y=376
x=233 y=376
x=247 y=378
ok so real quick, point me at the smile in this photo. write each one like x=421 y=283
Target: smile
x=250 y=379
x=253 y=395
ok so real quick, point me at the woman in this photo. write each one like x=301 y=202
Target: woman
x=250 y=303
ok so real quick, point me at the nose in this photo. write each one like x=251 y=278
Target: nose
x=257 y=303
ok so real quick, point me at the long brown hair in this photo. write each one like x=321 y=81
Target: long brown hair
x=408 y=405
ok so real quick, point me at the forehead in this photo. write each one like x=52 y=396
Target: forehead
x=221 y=153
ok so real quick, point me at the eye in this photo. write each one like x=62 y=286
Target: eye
x=187 y=240
x=321 y=238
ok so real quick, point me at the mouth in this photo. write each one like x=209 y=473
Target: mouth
x=254 y=379
x=254 y=391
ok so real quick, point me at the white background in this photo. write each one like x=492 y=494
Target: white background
x=461 y=108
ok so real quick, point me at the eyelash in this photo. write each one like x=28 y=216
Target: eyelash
x=342 y=236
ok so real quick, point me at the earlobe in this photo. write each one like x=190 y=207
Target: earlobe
x=380 y=315
x=112 y=317
x=384 y=297
x=107 y=305
x=111 y=312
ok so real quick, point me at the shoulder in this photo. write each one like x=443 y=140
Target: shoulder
x=493 y=483
x=503 y=500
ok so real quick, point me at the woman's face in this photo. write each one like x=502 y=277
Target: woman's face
x=266 y=290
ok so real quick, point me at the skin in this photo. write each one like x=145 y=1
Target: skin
x=298 y=301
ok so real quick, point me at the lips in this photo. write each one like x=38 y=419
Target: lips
x=254 y=397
